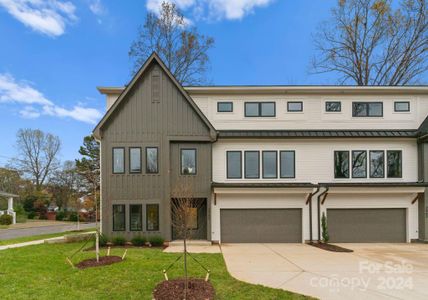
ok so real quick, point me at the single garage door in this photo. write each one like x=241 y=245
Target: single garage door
x=383 y=225
x=261 y=225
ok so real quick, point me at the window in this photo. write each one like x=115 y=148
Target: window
x=193 y=218
x=359 y=164
x=377 y=164
x=270 y=162
x=341 y=164
x=260 y=109
x=119 y=217
x=188 y=161
x=135 y=217
x=252 y=164
x=152 y=165
x=118 y=160
x=234 y=164
x=294 y=106
x=394 y=163
x=401 y=106
x=224 y=106
x=333 y=106
x=152 y=217
x=287 y=164
x=367 y=109
x=135 y=160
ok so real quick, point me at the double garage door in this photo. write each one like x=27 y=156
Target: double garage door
x=261 y=225
x=371 y=225
x=367 y=225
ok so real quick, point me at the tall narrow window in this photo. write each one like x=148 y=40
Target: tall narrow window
x=394 y=159
x=135 y=160
x=152 y=165
x=270 y=164
x=234 y=164
x=341 y=164
x=135 y=217
x=287 y=164
x=152 y=217
x=118 y=160
x=252 y=164
x=359 y=164
x=188 y=161
x=119 y=217
x=377 y=164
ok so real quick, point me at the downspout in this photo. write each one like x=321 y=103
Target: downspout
x=319 y=212
x=310 y=214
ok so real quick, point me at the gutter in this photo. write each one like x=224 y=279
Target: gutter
x=319 y=211
x=310 y=214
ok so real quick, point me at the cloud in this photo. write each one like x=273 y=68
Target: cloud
x=47 y=17
x=36 y=104
x=97 y=7
x=29 y=112
x=213 y=9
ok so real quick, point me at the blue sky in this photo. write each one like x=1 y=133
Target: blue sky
x=54 y=53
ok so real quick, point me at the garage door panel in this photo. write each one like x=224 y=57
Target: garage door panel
x=387 y=225
x=261 y=225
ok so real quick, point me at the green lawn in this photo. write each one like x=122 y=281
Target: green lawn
x=41 y=272
x=39 y=237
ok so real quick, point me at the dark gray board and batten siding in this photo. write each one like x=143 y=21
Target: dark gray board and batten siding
x=141 y=121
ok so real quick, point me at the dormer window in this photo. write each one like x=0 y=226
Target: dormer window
x=367 y=109
x=294 y=106
x=224 y=106
x=260 y=109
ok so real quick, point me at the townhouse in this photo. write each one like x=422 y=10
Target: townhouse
x=265 y=162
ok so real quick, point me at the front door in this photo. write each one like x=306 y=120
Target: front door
x=197 y=221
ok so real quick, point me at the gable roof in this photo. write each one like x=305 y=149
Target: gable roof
x=97 y=132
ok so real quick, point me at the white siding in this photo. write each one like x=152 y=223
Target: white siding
x=314 y=157
x=314 y=115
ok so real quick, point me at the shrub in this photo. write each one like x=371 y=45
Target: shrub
x=156 y=240
x=60 y=216
x=31 y=215
x=119 y=241
x=103 y=240
x=139 y=241
x=6 y=219
x=73 y=216
x=325 y=235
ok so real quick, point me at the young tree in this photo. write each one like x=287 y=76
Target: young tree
x=38 y=153
x=184 y=206
x=324 y=227
x=181 y=47
x=370 y=42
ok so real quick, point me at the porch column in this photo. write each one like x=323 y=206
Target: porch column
x=10 y=204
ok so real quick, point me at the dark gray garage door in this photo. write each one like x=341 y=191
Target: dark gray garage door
x=261 y=225
x=385 y=225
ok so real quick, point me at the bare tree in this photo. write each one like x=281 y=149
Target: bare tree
x=369 y=42
x=179 y=44
x=184 y=207
x=37 y=154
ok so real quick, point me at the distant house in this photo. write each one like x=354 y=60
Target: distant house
x=9 y=210
x=265 y=161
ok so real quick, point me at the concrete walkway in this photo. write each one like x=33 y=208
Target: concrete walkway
x=41 y=228
x=372 y=271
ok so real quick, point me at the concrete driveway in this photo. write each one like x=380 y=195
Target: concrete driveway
x=372 y=271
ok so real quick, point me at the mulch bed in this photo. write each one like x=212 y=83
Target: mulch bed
x=330 y=247
x=104 y=261
x=199 y=289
